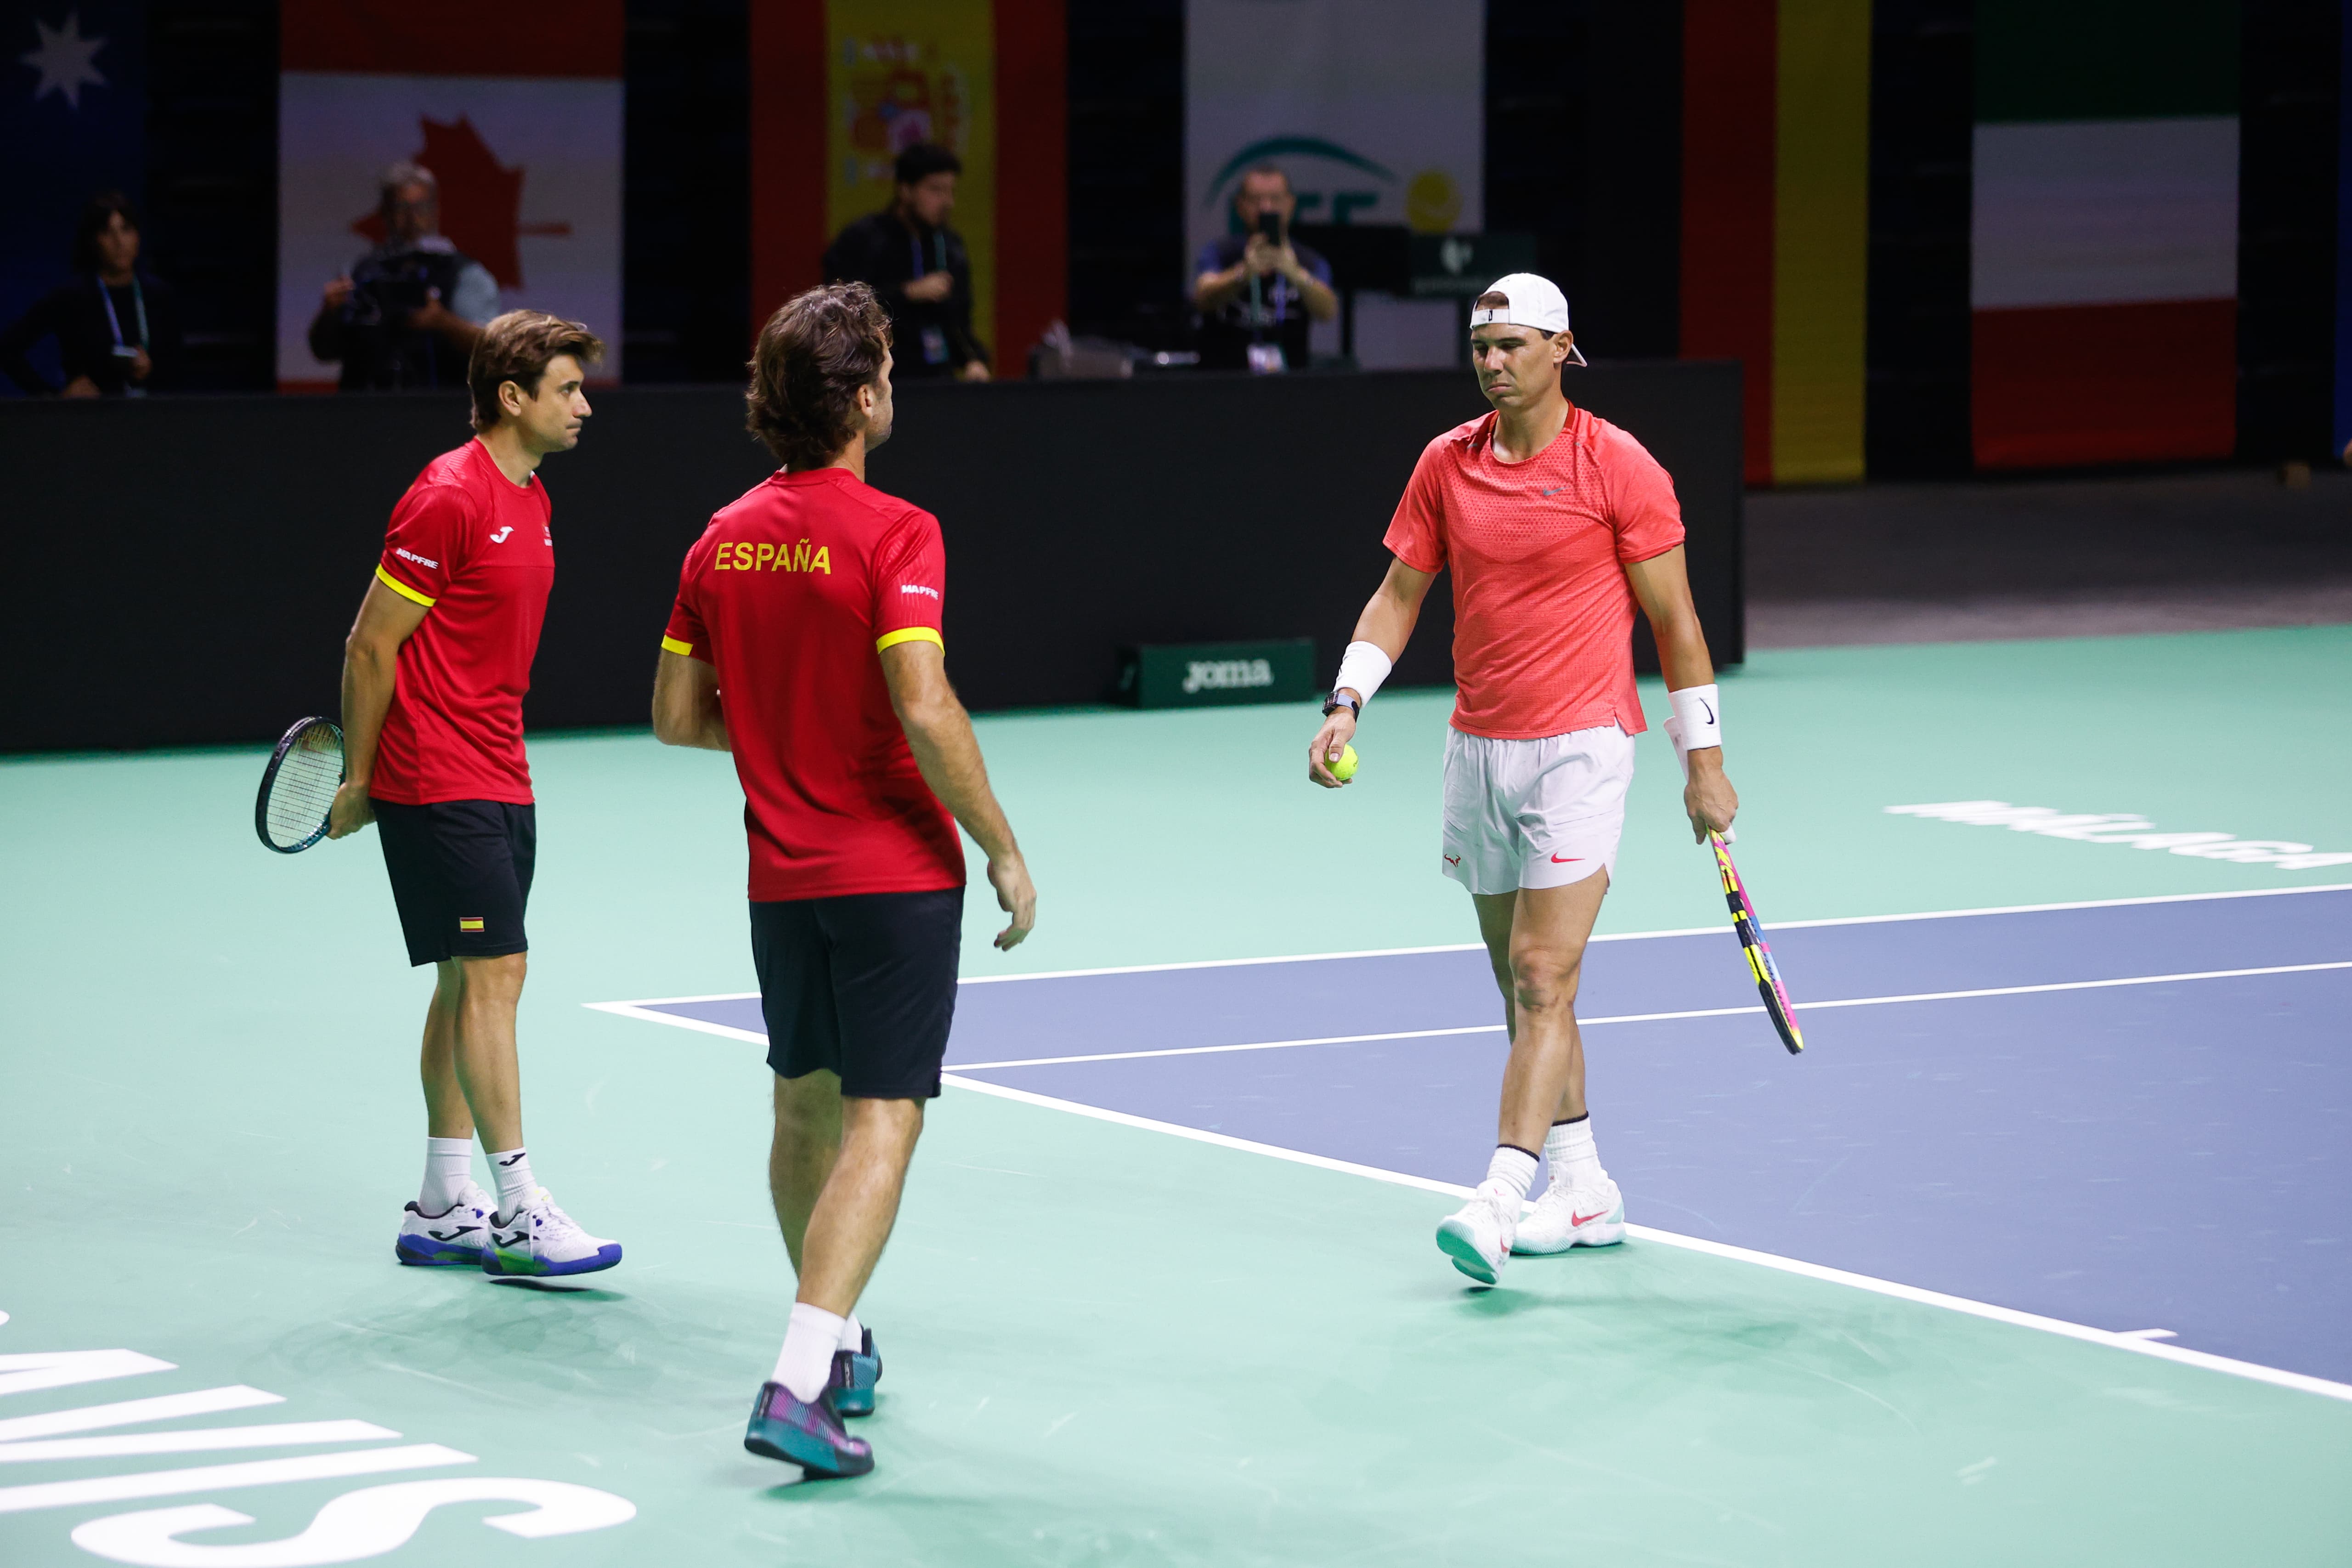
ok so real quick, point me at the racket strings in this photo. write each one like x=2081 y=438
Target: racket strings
x=304 y=786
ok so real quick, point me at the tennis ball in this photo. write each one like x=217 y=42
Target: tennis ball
x=1345 y=768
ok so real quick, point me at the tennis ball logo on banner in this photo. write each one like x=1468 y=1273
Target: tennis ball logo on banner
x=1336 y=183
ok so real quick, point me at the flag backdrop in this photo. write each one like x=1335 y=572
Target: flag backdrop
x=520 y=121
x=1776 y=186
x=838 y=88
x=2103 y=276
x=1374 y=107
x=902 y=71
x=73 y=119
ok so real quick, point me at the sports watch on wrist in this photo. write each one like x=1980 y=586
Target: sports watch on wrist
x=1338 y=699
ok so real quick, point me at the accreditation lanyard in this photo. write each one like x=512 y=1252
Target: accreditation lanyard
x=1281 y=300
x=138 y=301
x=938 y=246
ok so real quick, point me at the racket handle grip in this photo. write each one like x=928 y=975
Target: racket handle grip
x=1674 y=727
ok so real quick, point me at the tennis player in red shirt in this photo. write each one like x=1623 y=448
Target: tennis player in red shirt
x=806 y=641
x=1556 y=525
x=434 y=677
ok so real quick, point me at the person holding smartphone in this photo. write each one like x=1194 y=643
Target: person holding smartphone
x=1259 y=290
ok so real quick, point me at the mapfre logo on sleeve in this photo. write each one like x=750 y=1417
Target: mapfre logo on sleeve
x=918 y=588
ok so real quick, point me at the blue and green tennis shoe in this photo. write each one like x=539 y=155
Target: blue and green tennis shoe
x=459 y=1237
x=540 y=1241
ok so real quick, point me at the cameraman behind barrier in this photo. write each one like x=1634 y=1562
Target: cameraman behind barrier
x=1257 y=289
x=411 y=310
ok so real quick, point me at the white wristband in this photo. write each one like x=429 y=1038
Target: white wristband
x=1363 y=668
x=1698 y=713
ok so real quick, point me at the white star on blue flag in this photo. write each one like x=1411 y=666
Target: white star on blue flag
x=64 y=60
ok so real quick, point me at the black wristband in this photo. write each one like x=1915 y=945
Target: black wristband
x=1338 y=701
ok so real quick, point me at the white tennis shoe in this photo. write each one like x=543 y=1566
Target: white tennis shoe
x=541 y=1240
x=1477 y=1236
x=1589 y=1216
x=458 y=1235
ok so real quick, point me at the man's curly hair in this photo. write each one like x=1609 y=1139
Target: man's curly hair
x=813 y=354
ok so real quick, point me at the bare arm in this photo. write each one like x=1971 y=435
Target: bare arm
x=1212 y=291
x=371 y=660
x=1662 y=585
x=687 y=710
x=1387 y=623
x=940 y=731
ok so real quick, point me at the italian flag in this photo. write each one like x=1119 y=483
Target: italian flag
x=2103 y=272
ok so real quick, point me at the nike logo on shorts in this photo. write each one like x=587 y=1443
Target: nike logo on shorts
x=1566 y=859
x=1453 y=859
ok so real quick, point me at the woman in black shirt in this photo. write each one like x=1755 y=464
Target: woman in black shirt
x=118 y=332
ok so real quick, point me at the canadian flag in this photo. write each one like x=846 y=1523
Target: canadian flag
x=519 y=122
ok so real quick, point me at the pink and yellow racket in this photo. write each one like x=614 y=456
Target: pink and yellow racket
x=1759 y=956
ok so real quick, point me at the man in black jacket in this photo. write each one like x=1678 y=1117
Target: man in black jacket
x=410 y=311
x=917 y=267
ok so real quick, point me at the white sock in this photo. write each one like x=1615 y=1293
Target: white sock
x=449 y=1166
x=807 y=1360
x=517 y=1187
x=1569 y=1156
x=1515 y=1168
x=853 y=1333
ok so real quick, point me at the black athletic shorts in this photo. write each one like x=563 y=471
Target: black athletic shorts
x=863 y=985
x=460 y=874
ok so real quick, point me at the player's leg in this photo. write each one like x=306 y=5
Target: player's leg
x=1573 y=816
x=1483 y=849
x=486 y=852
x=449 y=1224
x=858 y=990
x=801 y=1154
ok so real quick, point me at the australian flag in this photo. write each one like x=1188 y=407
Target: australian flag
x=73 y=122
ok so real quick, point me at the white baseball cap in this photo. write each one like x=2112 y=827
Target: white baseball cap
x=1529 y=301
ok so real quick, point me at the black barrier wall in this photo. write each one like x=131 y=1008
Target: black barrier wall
x=189 y=567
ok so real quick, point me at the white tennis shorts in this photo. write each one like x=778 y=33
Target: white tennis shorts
x=1534 y=814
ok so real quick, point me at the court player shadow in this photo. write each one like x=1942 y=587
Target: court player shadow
x=558 y=1287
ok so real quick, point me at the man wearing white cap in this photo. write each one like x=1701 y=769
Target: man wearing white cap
x=1556 y=524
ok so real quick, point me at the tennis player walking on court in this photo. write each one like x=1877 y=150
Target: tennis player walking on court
x=813 y=605
x=1556 y=523
x=434 y=677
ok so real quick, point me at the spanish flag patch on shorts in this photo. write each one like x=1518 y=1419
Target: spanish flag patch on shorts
x=469 y=922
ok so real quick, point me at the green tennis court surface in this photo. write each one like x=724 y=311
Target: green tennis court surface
x=1104 y=1344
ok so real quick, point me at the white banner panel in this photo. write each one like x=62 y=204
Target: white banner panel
x=2106 y=212
x=530 y=171
x=1374 y=107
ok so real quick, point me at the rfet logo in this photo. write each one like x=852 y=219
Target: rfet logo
x=481 y=200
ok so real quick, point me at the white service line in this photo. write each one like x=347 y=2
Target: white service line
x=628 y=1009
x=1646 y=1018
x=2125 y=1342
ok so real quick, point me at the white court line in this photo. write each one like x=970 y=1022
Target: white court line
x=622 y=1008
x=2300 y=1382
x=1639 y=1018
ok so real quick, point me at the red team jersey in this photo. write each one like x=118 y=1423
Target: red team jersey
x=1543 y=617
x=477 y=550
x=790 y=593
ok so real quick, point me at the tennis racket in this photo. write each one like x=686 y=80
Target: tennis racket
x=297 y=788
x=1760 y=955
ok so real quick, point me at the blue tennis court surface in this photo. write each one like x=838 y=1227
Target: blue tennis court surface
x=2130 y=1115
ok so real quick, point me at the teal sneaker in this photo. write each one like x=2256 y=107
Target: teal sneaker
x=809 y=1436
x=849 y=1388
